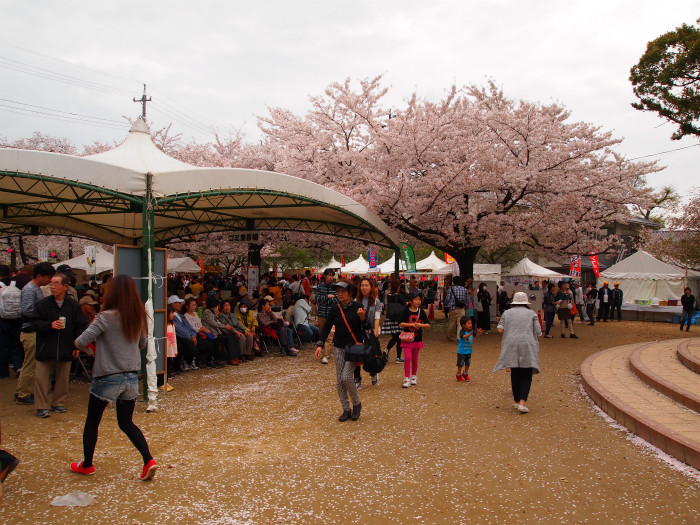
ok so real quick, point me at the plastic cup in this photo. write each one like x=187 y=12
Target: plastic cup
x=63 y=321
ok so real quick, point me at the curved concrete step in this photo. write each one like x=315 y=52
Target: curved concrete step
x=658 y=366
x=608 y=379
x=689 y=354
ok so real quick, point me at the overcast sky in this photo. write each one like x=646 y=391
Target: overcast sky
x=219 y=64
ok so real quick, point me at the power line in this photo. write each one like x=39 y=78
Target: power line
x=662 y=152
x=69 y=113
x=60 y=118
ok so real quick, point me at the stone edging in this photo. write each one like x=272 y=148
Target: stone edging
x=687 y=358
x=637 y=422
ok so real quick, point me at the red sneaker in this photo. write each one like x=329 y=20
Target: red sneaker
x=79 y=469
x=149 y=470
x=466 y=377
x=460 y=377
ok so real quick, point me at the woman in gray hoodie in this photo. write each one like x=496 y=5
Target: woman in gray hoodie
x=119 y=333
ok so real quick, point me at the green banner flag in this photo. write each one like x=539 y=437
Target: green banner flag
x=408 y=257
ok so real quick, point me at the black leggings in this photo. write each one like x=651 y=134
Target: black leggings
x=125 y=412
x=395 y=341
x=520 y=382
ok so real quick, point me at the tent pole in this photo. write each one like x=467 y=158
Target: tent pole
x=397 y=254
x=147 y=251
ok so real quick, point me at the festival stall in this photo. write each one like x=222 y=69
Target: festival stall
x=183 y=265
x=649 y=286
x=333 y=264
x=526 y=272
x=358 y=266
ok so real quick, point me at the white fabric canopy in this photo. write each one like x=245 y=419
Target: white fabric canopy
x=642 y=276
x=103 y=197
x=527 y=268
x=432 y=263
x=332 y=264
x=183 y=265
x=104 y=262
x=359 y=265
x=487 y=272
x=390 y=265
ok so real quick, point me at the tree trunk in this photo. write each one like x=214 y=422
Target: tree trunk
x=465 y=260
x=22 y=255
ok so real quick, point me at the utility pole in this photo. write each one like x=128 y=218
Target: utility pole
x=143 y=101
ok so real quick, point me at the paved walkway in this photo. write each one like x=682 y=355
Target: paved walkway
x=648 y=390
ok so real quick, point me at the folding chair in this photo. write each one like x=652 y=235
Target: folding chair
x=268 y=336
x=82 y=361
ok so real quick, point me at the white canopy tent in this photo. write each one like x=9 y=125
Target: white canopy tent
x=183 y=265
x=432 y=263
x=390 y=265
x=335 y=265
x=104 y=262
x=642 y=276
x=487 y=272
x=359 y=265
x=527 y=268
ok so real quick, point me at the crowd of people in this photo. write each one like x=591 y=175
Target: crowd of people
x=213 y=321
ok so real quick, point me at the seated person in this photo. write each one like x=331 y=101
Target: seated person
x=205 y=337
x=245 y=337
x=269 y=322
x=307 y=332
x=226 y=334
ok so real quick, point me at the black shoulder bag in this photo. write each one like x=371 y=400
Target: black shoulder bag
x=358 y=352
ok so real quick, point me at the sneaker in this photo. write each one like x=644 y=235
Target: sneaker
x=399 y=359
x=375 y=379
x=167 y=387
x=466 y=378
x=152 y=408
x=358 y=383
x=324 y=361
x=193 y=366
x=459 y=377
x=60 y=409
x=149 y=470
x=292 y=352
x=42 y=413
x=547 y=336
x=573 y=336
x=79 y=469
x=8 y=463
x=28 y=400
x=523 y=409
x=406 y=382
x=414 y=380
x=563 y=336
x=184 y=367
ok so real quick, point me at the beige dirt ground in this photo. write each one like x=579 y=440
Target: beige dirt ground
x=261 y=444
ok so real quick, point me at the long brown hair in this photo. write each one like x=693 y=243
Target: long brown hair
x=372 y=291
x=121 y=295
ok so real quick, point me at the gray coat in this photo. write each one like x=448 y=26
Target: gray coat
x=519 y=346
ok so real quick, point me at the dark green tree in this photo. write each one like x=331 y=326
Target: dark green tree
x=667 y=79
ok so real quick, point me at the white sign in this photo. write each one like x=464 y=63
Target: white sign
x=43 y=255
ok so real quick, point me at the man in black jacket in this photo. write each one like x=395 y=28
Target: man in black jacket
x=604 y=300
x=58 y=321
x=616 y=302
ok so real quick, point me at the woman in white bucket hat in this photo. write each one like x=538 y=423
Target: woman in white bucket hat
x=520 y=348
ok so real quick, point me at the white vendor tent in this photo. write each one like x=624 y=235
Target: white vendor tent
x=390 y=265
x=359 y=265
x=432 y=263
x=333 y=264
x=104 y=262
x=183 y=265
x=487 y=272
x=641 y=276
x=527 y=268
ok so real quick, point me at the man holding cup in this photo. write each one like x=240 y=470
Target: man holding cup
x=58 y=321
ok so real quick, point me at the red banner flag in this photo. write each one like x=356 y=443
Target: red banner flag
x=201 y=263
x=594 y=264
x=342 y=259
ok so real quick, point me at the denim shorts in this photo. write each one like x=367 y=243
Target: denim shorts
x=464 y=360
x=116 y=386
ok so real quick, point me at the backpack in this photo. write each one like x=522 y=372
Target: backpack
x=11 y=303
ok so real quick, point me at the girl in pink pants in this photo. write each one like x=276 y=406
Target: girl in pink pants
x=414 y=320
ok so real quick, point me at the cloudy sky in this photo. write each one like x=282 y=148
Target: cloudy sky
x=72 y=68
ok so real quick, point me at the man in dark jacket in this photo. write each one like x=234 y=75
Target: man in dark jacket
x=58 y=321
x=616 y=302
x=604 y=300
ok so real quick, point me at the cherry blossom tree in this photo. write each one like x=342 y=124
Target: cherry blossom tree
x=475 y=169
x=680 y=243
